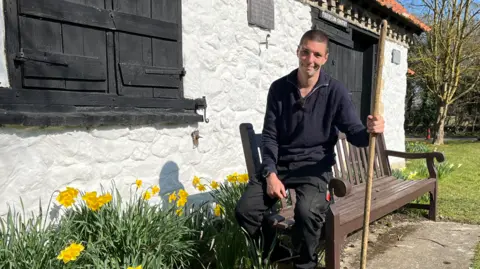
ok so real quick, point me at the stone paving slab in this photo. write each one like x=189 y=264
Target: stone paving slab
x=409 y=245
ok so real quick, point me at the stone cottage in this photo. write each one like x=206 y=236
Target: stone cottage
x=95 y=91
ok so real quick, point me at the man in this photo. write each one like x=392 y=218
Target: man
x=305 y=110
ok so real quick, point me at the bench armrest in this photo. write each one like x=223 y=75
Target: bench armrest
x=339 y=187
x=428 y=156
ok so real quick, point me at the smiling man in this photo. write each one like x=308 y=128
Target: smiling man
x=305 y=111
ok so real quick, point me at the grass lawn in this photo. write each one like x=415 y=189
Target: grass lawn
x=459 y=191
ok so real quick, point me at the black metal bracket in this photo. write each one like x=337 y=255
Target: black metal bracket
x=201 y=103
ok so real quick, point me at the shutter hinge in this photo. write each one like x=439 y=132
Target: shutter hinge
x=44 y=57
x=201 y=103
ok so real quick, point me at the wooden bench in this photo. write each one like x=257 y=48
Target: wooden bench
x=348 y=187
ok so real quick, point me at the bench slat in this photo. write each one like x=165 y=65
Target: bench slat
x=378 y=185
x=382 y=207
x=355 y=163
x=389 y=195
x=348 y=165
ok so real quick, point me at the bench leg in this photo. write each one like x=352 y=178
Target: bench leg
x=432 y=212
x=333 y=243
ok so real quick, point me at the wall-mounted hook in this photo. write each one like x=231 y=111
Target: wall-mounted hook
x=202 y=104
x=266 y=41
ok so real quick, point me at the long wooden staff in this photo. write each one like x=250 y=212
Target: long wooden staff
x=371 y=155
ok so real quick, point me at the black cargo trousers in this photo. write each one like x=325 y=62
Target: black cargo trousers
x=311 y=187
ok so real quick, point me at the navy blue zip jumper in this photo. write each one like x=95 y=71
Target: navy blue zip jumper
x=303 y=131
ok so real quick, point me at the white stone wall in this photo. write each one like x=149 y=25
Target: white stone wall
x=224 y=62
x=393 y=99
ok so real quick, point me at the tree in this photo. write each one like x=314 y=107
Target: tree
x=448 y=54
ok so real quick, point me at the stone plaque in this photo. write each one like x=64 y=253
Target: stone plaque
x=261 y=13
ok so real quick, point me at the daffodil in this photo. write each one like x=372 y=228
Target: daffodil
x=94 y=202
x=243 y=178
x=155 y=189
x=67 y=197
x=214 y=185
x=182 y=194
x=201 y=187
x=218 y=210
x=139 y=183
x=147 y=195
x=71 y=252
x=182 y=201
x=232 y=178
x=106 y=198
x=195 y=181
x=179 y=211
x=138 y=267
x=172 y=197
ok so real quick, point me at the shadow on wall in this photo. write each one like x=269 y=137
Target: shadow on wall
x=169 y=181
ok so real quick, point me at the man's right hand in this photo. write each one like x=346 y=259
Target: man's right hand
x=275 y=187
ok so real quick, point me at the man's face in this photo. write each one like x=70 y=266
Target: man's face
x=311 y=56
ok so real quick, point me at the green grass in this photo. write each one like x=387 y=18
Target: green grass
x=459 y=190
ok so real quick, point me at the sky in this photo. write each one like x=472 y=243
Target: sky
x=414 y=7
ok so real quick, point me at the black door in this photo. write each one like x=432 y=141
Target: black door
x=351 y=61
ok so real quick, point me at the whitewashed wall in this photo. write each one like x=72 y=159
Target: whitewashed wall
x=224 y=62
x=394 y=91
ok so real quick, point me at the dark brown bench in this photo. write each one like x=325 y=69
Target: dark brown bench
x=350 y=171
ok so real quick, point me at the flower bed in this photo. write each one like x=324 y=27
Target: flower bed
x=102 y=230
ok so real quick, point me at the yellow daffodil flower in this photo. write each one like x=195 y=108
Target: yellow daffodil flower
x=106 y=198
x=147 y=195
x=182 y=194
x=196 y=181
x=155 y=189
x=179 y=211
x=201 y=187
x=70 y=253
x=218 y=210
x=232 y=178
x=214 y=185
x=67 y=197
x=172 y=197
x=139 y=183
x=243 y=178
x=181 y=202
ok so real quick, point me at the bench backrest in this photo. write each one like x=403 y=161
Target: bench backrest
x=351 y=162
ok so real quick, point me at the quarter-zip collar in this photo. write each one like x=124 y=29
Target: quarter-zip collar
x=323 y=81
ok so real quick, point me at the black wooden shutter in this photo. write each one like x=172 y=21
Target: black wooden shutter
x=123 y=47
x=149 y=54
x=55 y=54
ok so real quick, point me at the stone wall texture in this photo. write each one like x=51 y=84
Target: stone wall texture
x=226 y=63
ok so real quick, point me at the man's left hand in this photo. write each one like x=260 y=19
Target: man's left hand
x=375 y=124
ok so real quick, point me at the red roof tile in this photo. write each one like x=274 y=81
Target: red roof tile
x=399 y=9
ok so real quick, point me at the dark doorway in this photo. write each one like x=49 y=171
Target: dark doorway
x=351 y=60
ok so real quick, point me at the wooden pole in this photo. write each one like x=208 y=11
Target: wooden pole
x=371 y=155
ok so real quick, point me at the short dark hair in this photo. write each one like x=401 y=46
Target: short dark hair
x=314 y=35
